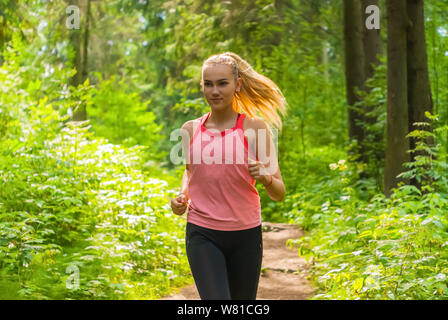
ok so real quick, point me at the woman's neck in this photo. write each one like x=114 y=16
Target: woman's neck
x=221 y=117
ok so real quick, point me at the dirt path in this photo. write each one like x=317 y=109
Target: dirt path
x=284 y=273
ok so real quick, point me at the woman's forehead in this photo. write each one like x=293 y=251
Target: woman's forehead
x=216 y=72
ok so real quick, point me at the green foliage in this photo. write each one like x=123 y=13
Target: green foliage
x=383 y=248
x=81 y=201
x=118 y=115
x=70 y=199
x=427 y=168
x=94 y=195
x=307 y=182
x=373 y=108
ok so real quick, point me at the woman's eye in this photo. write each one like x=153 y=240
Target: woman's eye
x=221 y=84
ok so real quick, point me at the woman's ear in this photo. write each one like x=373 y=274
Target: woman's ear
x=238 y=84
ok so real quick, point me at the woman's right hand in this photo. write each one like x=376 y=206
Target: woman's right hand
x=179 y=204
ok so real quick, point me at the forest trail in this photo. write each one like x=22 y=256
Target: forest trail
x=284 y=274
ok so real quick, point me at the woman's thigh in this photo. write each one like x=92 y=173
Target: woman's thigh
x=208 y=265
x=244 y=264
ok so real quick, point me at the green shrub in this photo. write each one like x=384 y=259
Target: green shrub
x=74 y=204
x=381 y=248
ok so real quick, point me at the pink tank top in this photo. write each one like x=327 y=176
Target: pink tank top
x=222 y=192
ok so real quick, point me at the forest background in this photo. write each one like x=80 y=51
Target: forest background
x=88 y=105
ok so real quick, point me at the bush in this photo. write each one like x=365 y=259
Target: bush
x=381 y=248
x=80 y=217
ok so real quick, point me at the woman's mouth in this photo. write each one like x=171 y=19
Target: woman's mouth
x=216 y=100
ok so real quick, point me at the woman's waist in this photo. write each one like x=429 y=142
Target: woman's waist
x=223 y=190
x=223 y=174
x=224 y=217
x=222 y=203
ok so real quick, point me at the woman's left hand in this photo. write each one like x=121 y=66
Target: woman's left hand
x=258 y=172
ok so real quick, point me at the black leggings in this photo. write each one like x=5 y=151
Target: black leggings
x=225 y=264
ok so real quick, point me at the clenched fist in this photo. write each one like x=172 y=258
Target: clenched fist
x=258 y=172
x=179 y=204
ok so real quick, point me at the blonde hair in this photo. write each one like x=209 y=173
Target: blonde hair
x=258 y=93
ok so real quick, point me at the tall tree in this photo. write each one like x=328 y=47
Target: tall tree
x=397 y=144
x=409 y=91
x=2 y=35
x=11 y=14
x=85 y=56
x=75 y=41
x=80 y=42
x=419 y=91
x=372 y=45
x=354 y=64
x=371 y=42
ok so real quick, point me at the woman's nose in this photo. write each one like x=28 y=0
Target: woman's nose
x=215 y=91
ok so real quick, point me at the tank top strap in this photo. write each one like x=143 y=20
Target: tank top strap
x=240 y=121
x=200 y=127
x=204 y=118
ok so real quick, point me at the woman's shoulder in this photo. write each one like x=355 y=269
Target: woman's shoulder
x=254 y=123
x=191 y=125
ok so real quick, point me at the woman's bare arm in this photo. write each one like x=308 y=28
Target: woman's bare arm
x=180 y=203
x=265 y=168
x=188 y=128
x=185 y=179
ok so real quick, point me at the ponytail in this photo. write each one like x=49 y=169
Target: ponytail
x=258 y=93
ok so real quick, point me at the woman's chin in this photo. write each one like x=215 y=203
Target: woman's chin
x=219 y=106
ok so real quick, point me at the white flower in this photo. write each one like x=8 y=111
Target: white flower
x=441 y=276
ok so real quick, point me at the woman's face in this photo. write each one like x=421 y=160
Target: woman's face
x=219 y=86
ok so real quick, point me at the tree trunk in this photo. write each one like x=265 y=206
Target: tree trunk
x=419 y=91
x=397 y=144
x=2 y=36
x=80 y=44
x=75 y=41
x=85 y=56
x=325 y=56
x=372 y=47
x=354 y=64
x=371 y=42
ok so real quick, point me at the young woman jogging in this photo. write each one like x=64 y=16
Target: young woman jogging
x=227 y=151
